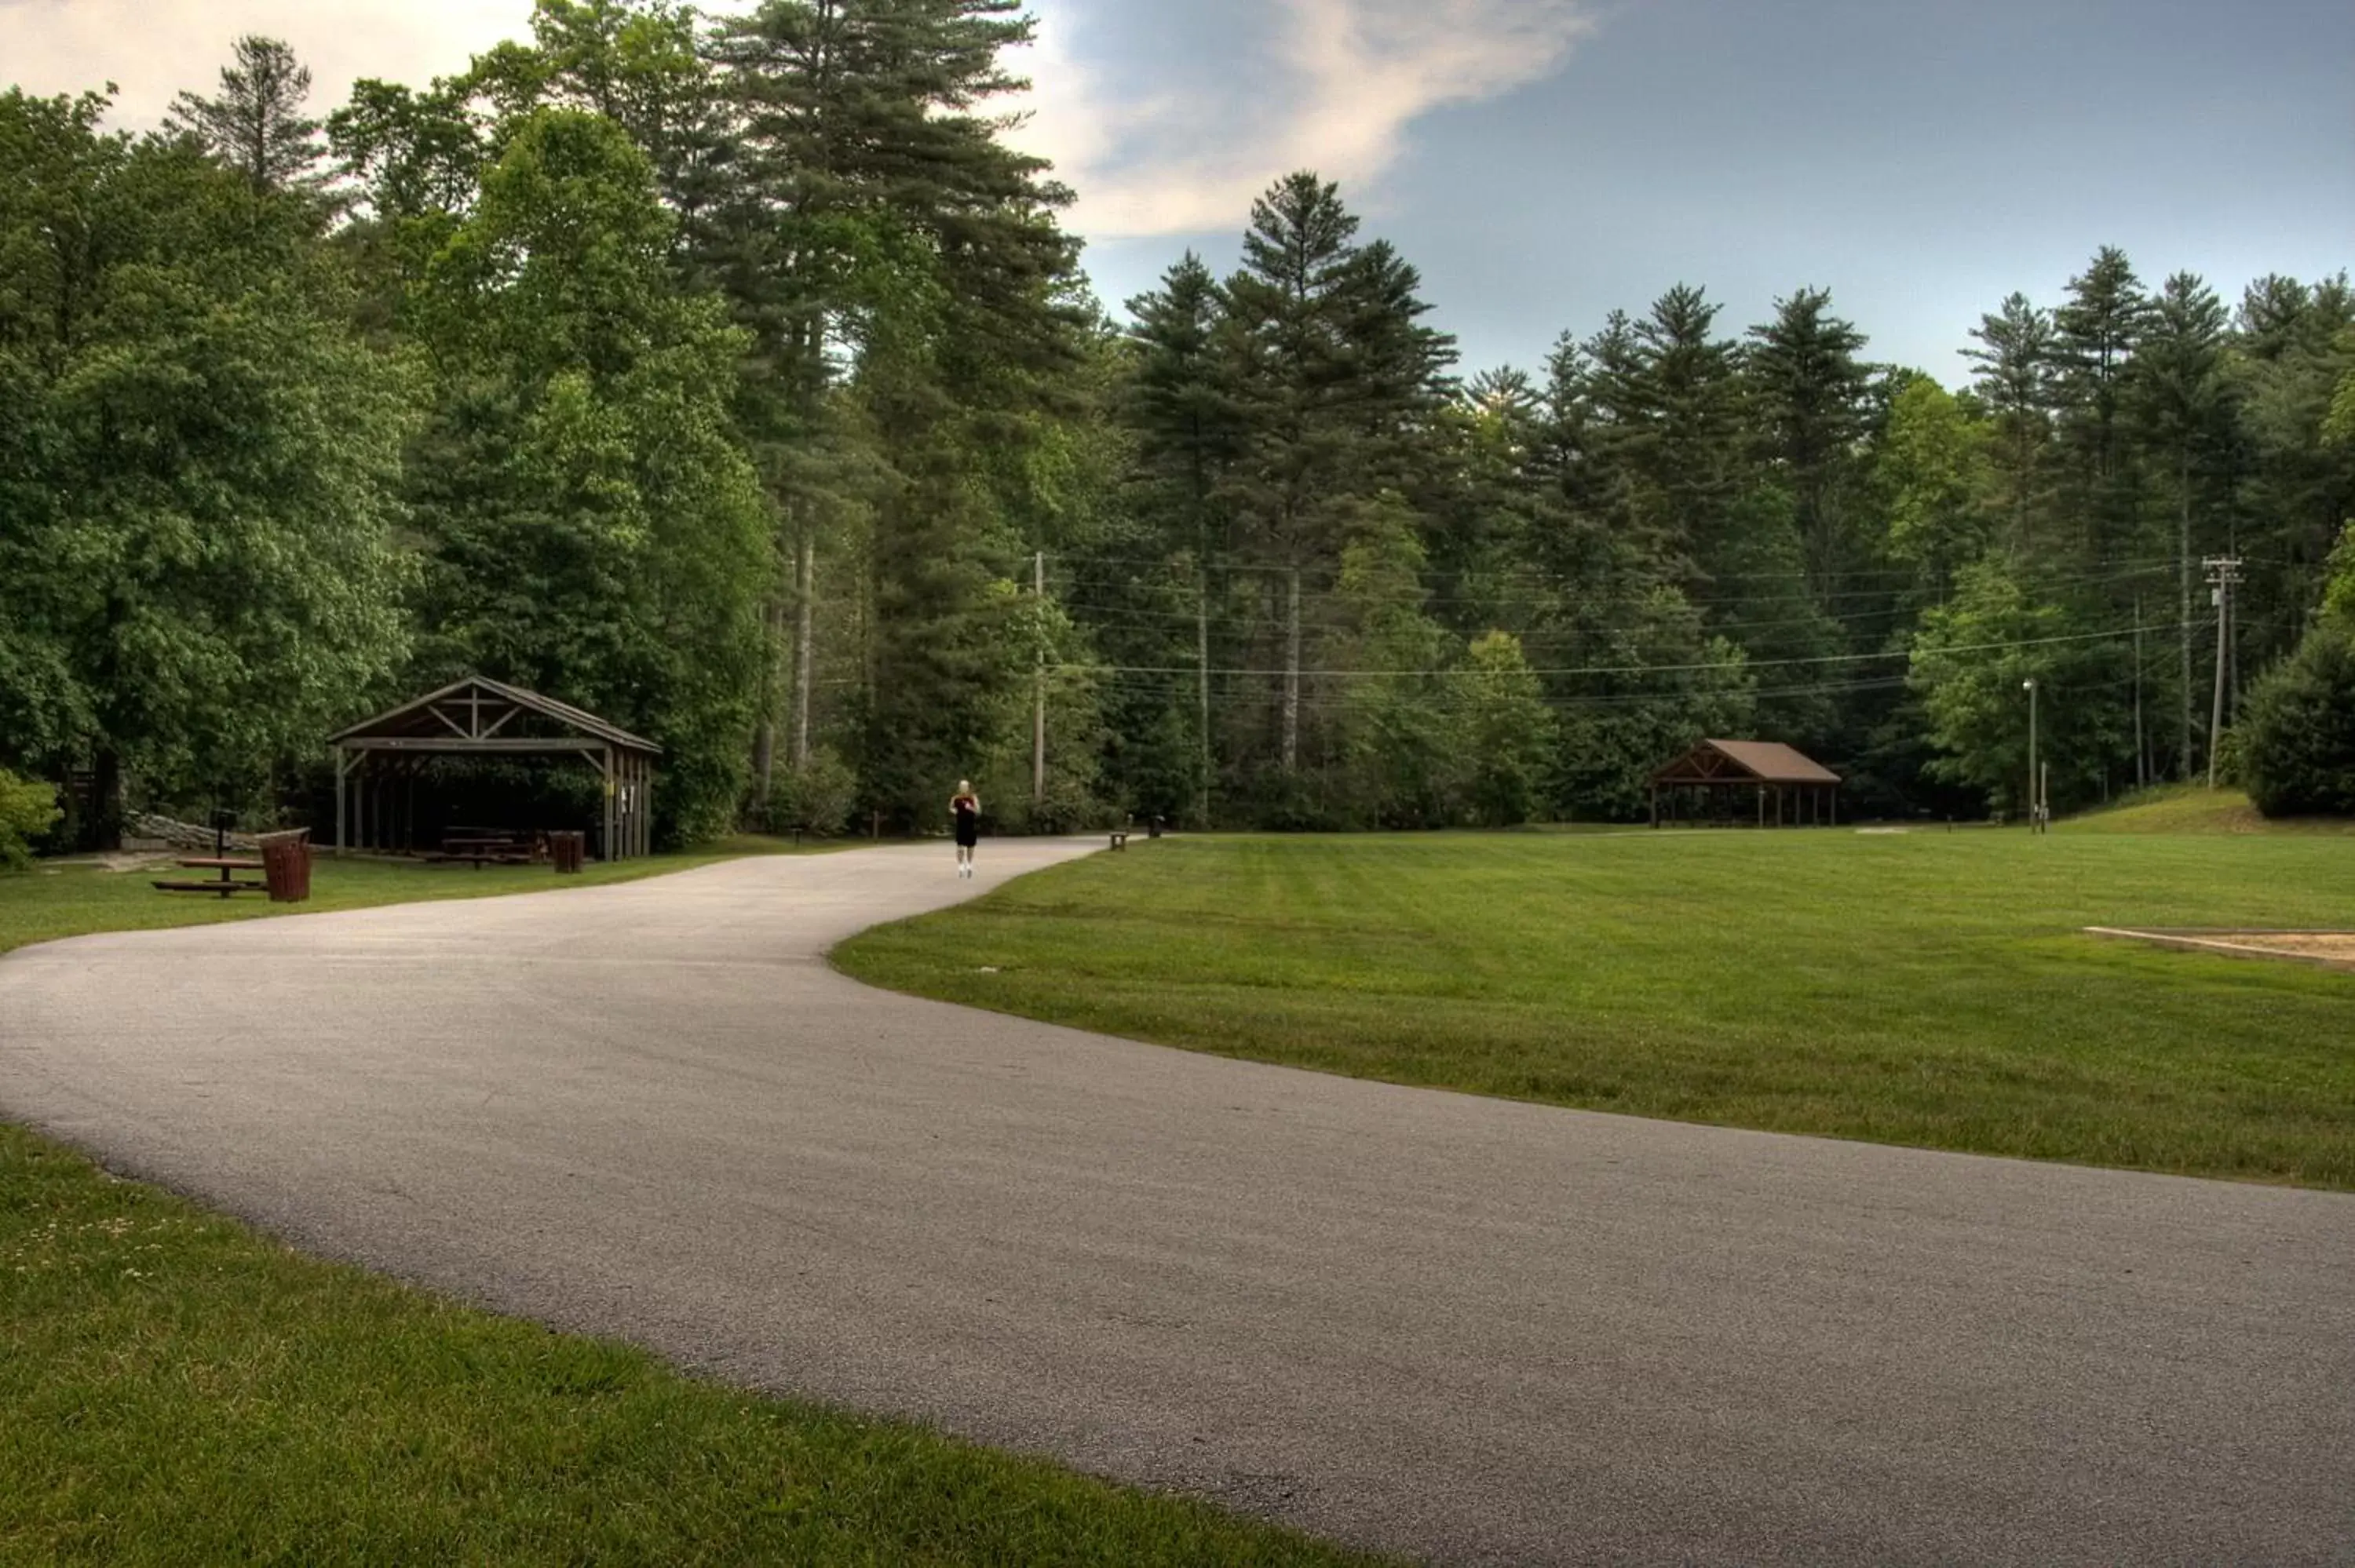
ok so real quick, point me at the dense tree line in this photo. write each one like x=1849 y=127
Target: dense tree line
x=737 y=380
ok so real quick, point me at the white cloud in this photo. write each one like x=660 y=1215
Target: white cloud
x=1333 y=85
x=153 y=48
x=1348 y=78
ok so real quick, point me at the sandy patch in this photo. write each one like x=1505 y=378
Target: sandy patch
x=2313 y=944
x=2335 y=949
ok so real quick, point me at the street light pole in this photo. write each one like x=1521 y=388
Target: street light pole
x=2224 y=574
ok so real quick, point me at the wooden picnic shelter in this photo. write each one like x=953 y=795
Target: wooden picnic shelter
x=1707 y=785
x=379 y=760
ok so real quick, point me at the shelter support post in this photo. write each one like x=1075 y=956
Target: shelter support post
x=636 y=836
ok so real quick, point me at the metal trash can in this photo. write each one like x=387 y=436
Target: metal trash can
x=286 y=865
x=567 y=852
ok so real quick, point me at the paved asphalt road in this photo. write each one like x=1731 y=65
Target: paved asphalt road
x=1462 y=1329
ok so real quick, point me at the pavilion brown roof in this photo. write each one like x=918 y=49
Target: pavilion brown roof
x=1764 y=761
x=427 y=719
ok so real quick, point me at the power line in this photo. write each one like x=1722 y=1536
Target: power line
x=1326 y=600
x=1638 y=669
x=1541 y=596
x=1527 y=574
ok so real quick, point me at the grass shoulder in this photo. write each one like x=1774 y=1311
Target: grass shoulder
x=179 y=1389
x=56 y=899
x=1926 y=989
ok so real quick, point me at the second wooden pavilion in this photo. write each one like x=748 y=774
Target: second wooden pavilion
x=1716 y=781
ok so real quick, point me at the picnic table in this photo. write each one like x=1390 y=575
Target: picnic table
x=481 y=847
x=284 y=863
x=226 y=883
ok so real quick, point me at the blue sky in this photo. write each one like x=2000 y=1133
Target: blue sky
x=1544 y=161
x=1920 y=160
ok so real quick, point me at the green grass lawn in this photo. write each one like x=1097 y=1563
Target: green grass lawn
x=176 y=1389
x=1930 y=989
x=2191 y=808
x=71 y=899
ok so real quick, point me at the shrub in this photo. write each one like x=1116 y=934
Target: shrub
x=1069 y=808
x=816 y=798
x=2296 y=751
x=27 y=810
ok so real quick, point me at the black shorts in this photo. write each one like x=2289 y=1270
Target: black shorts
x=968 y=834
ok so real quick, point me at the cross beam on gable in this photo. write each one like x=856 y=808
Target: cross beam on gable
x=471 y=727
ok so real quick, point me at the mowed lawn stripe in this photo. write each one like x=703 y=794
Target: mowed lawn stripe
x=1926 y=989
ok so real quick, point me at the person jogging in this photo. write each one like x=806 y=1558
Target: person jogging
x=966 y=807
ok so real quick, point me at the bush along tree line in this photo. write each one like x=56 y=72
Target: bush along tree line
x=735 y=379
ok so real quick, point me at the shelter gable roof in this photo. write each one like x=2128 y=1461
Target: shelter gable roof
x=1764 y=761
x=425 y=717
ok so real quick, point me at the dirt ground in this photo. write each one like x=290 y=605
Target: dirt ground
x=2333 y=948
x=2315 y=945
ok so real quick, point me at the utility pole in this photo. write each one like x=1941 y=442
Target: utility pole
x=1291 y=675
x=1038 y=713
x=1203 y=676
x=2033 y=812
x=804 y=614
x=2142 y=758
x=2223 y=577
